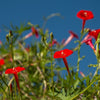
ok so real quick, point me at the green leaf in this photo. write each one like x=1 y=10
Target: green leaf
x=76 y=83
x=77 y=41
x=93 y=65
x=81 y=58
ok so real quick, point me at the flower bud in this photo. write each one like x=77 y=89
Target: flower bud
x=10 y=33
x=7 y=37
x=51 y=36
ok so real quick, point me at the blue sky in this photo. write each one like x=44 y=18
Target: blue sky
x=19 y=11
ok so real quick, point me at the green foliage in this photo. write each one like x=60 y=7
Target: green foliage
x=42 y=78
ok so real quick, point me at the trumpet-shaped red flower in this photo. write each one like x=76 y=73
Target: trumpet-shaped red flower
x=15 y=71
x=34 y=31
x=72 y=35
x=28 y=35
x=89 y=42
x=53 y=42
x=94 y=33
x=85 y=15
x=63 y=54
x=2 y=62
x=87 y=36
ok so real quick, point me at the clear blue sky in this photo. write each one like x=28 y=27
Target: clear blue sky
x=18 y=11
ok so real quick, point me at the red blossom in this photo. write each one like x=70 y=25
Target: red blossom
x=63 y=54
x=34 y=31
x=53 y=42
x=85 y=15
x=89 y=42
x=2 y=62
x=72 y=35
x=94 y=33
x=28 y=35
x=15 y=71
x=87 y=36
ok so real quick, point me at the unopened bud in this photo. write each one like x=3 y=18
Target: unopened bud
x=43 y=39
x=7 y=37
x=51 y=36
x=86 y=30
x=10 y=33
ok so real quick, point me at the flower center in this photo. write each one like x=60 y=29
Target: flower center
x=62 y=53
x=14 y=70
x=84 y=14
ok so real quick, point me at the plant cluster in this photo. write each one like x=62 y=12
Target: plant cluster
x=32 y=71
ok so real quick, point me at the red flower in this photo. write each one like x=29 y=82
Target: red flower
x=63 y=54
x=34 y=31
x=2 y=62
x=53 y=42
x=27 y=36
x=85 y=15
x=94 y=33
x=15 y=71
x=87 y=36
x=72 y=35
x=89 y=42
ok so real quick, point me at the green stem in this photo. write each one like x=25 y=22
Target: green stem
x=98 y=58
x=52 y=72
x=51 y=66
x=44 y=24
x=4 y=92
x=12 y=53
x=4 y=82
x=79 y=52
x=15 y=94
x=96 y=72
x=83 y=90
x=3 y=89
